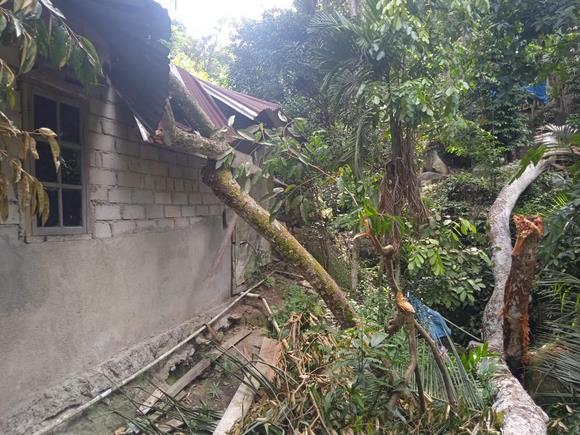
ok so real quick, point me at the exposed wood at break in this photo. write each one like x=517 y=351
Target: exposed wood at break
x=518 y=290
x=501 y=247
x=191 y=374
x=521 y=416
x=241 y=403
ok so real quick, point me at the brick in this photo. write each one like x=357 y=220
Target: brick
x=102 y=230
x=195 y=198
x=129 y=179
x=114 y=161
x=209 y=198
x=106 y=212
x=149 y=183
x=196 y=162
x=202 y=210
x=133 y=212
x=145 y=225
x=204 y=188
x=123 y=227
x=94 y=124
x=160 y=183
x=105 y=109
x=166 y=224
x=179 y=198
x=154 y=211
x=175 y=171
x=178 y=185
x=172 y=211
x=98 y=193
x=128 y=148
x=168 y=156
x=181 y=222
x=120 y=195
x=139 y=165
x=143 y=197
x=95 y=160
x=188 y=211
x=102 y=176
x=216 y=210
x=162 y=198
x=101 y=142
x=158 y=168
x=114 y=128
x=149 y=152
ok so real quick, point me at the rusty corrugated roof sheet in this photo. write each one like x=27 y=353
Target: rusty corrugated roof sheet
x=206 y=102
x=208 y=95
x=247 y=105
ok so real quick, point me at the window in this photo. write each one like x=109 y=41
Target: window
x=65 y=188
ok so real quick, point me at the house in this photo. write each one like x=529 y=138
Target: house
x=132 y=256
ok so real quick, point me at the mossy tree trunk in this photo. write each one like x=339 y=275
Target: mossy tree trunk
x=224 y=185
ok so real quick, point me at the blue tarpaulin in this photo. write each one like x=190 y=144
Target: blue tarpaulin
x=430 y=319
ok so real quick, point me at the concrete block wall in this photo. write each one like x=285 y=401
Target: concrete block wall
x=136 y=186
x=153 y=232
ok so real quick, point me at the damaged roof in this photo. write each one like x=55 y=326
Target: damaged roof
x=134 y=36
x=220 y=103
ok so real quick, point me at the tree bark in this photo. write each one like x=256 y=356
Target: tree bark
x=521 y=416
x=354 y=266
x=223 y=184
x=501 y=247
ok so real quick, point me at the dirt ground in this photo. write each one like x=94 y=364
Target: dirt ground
x=216 y=386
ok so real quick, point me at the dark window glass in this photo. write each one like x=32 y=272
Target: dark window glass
x=44 y=166
x=44 y=113
x=70 y=166
x=69 y=124
x=72 y=206
x=52 y=220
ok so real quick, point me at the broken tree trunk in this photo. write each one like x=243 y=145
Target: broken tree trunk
x=521 y=415
x=518 y=290
x=225 y=187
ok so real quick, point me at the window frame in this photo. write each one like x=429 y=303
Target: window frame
x=80 y=103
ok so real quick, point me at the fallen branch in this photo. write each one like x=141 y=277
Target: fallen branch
x=225 y=187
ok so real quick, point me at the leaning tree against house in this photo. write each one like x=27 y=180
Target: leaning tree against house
x=34 y=29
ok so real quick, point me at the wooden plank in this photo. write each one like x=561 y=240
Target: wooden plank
x=192 y=374
x=241 y=403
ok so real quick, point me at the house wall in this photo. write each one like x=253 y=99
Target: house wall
x=68 y=303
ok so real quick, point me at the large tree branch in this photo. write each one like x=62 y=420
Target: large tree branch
x=521 y=416
x=223 y=184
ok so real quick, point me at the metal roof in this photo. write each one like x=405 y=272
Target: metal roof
x=210 y=97
x=206 y=103
x=133 y=35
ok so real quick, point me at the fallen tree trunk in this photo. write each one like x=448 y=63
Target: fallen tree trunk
x=521 y=416
x=223 y=184
x=225 y=187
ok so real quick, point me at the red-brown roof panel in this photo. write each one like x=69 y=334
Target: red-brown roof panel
x=202 y=98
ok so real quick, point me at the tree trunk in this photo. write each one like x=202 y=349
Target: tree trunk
x=521 y=416
x=354 y=265
x=516 y=329
x=223 y=184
